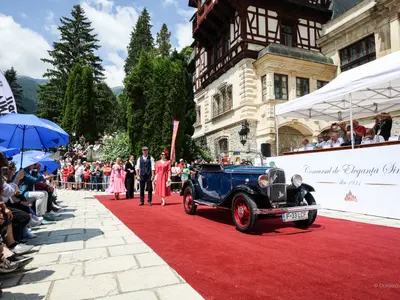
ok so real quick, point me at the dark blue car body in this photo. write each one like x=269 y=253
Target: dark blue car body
x=238 y=188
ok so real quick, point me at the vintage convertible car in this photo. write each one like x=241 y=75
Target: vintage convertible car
x=251 y=193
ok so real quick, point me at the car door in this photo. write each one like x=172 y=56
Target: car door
x=209 y=184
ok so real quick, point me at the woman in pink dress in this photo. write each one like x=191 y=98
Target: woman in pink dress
x=117 y=179
x=163 y=174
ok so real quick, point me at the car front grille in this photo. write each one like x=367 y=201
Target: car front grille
x=277 y=185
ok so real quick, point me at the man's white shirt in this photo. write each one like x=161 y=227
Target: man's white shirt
x=145 y=158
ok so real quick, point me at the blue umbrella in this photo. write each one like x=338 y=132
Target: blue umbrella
x=28 y=158
x=51 y=165
x=30 y=132
x=9 y=152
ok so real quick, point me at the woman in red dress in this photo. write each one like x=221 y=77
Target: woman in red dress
x=163 y=174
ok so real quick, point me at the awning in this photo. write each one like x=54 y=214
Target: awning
x=371 y=88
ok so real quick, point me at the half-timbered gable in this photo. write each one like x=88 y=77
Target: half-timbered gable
x=231 y=30
x=250 y=55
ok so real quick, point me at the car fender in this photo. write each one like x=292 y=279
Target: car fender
x=251 y=190
x=189 y=183
x=308 y=187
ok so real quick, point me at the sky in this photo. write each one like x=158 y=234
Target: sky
x=28 y=29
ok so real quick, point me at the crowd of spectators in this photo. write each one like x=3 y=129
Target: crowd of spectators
x=27 y=201
x=341 y=134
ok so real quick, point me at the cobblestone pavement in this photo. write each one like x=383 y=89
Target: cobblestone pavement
x=91 y=254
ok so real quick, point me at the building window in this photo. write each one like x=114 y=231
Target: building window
x=302 y=86
x=281 y=87
x=219 y=50
x=227 y=44
x=212 y=56
x=222 y=101
x=321 y=84
x=264 y=87
x=287 y=35
x=198 y=115
x=223 y=146
x=358 y=53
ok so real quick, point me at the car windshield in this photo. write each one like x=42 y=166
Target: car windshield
x=241 y=158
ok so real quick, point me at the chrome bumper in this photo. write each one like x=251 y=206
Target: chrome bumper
x=281 y=210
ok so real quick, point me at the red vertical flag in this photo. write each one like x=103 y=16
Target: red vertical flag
x=174 y=133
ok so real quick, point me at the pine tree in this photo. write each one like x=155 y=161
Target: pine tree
x=141 y=40
x=157 y=106
x=77 y=45
x=84 y=110
x=11 y=77
x=109 y=117
x=138 y=85
x=50 y=102
x=164 y=42
x=73 y=90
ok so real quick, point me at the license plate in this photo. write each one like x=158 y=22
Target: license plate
x=294 y=216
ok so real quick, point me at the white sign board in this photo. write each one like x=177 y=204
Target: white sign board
x=7 y=100
x=365 y=180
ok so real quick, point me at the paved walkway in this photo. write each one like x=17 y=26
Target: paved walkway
x=91 y=254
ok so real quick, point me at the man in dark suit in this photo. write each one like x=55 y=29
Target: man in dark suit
x=130 y=177
x=145 y=169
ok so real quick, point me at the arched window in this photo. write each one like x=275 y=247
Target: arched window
x=223 y=146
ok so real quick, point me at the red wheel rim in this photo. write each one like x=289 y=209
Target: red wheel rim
x=188 y=200
x=241 y=212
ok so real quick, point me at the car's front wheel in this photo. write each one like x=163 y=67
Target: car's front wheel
x=188 y=201
x=312 y=214
x=243 y=212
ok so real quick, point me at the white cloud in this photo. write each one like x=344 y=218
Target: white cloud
x=183 y=35
x=113 y=24
x=24 y=15
x=50 y=25
x=183 y=32
x=22 y=48
x=50 y=16
x=170 y=2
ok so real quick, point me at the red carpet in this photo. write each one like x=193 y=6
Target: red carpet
x=334 y=259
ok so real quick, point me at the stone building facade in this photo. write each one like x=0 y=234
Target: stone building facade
x=251 y=69
x=345 y=39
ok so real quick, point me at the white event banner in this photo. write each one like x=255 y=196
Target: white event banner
x=365 y=180
x=7 y=100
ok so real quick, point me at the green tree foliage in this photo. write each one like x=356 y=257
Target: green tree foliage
x=138 y=86
x=50 y=99
x=159 y=91
x=141 y=40
x=11 y=77
x=164 y=42
x=116 y=146
x=73 y=87
x=77 y=46
x=84 y=109
x=107 y=107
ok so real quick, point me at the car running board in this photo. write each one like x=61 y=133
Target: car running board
x=201 y=202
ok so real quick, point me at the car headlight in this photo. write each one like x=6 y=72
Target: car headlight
x=297 y=180
x=263 y=181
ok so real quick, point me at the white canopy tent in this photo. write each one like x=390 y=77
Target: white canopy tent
x=360 y=92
